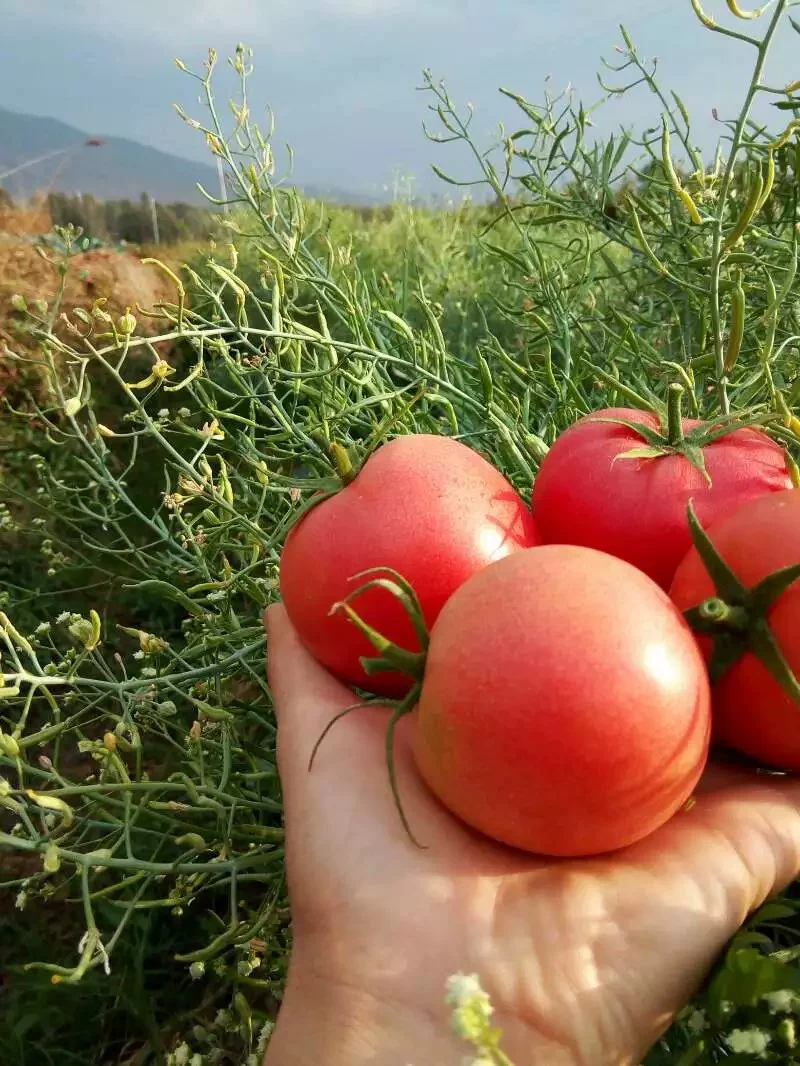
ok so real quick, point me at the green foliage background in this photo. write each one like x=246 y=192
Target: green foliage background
x=148 y=483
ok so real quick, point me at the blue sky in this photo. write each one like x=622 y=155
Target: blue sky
x=340 y=75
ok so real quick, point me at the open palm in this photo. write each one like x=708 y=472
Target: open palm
x=586 y=961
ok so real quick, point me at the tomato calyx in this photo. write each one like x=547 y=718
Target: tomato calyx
x=672 y=439
x=346 y=471
x=390 y=657
x=736 y=617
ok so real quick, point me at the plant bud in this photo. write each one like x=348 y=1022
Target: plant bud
x=126 y=324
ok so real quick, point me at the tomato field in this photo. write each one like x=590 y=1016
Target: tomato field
x=580 y=388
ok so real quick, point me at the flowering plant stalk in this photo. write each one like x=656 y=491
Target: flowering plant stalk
x=154 y=473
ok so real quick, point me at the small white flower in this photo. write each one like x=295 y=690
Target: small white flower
x=63 y=617
x=181 y=1055
x=781 y=1002
x=697 y=1021
x=21 y=900
x=163 y=413
x=461 y=988
x=148 y=671
x=263 y=1037
x=99 y=947
x=472 y=1010
x=748 y=1041
x=196 y=970
x=138 y=655
x=42 y=628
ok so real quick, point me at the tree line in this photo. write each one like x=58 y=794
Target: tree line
x=134 y=222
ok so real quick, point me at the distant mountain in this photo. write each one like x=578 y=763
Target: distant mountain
x=115 y=169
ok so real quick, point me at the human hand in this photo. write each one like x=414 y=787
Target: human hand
x=585 y=961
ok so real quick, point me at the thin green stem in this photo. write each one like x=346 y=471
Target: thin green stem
x=723 y=200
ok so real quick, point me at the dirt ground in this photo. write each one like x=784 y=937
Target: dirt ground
x=119 y=276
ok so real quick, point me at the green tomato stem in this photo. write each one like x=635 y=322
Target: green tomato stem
x=392 y=656
x=674 y=417
x=716 y=610
x=344 y=465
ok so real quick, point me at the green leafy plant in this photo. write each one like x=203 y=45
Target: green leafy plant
x=152 y=478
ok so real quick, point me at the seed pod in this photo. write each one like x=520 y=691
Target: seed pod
x=51 y=861
x=736 y=332
x=674 y=180
x=225 y=482
x=8 y=745
x=769 y=181
x=794 y=470
x=772 y=322
x=262 y=473
x=191 y=840
x=486 y=379
x=52 y=803
x=754 y=201
x=733 y=7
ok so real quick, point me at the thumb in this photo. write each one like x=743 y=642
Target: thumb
x=307 y=699
x=296 y=677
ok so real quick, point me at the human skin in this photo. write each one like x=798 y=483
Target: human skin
x=586 y=961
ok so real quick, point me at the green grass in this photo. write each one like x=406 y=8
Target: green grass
x=159 y=501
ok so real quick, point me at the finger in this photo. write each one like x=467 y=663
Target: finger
x=307 y=701
x=349 y=783
x=738 y=844
x=761 y=822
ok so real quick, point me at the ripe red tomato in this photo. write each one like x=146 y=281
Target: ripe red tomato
x=428 y=507
x=635 y=508
x=565 y=704
x=752 y=712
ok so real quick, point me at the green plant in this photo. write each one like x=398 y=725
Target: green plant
x=155 y=477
